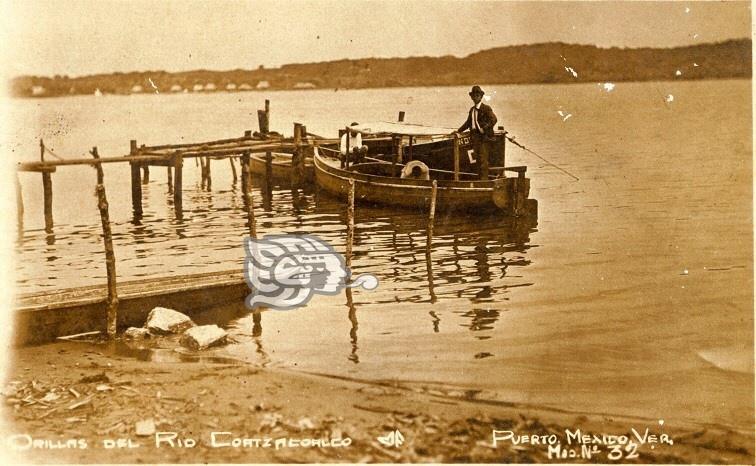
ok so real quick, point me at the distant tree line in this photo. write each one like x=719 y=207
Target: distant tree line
x=553 y=62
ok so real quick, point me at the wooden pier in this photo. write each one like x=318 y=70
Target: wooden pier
x=44 y=316
x=172 y=156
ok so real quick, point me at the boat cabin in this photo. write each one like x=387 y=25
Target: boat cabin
x=447 y=156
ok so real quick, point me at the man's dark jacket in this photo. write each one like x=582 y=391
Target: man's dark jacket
x=486 y=121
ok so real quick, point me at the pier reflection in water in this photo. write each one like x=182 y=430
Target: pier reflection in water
x=463 y=276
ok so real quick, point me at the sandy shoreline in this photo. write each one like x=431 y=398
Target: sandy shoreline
x=87 y=396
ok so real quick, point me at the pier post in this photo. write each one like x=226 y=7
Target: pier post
x=456 y=156
x=263 y=119
x=136 y=183
x=178 y=167
x=296 y=176
x=432 y=213
x=267 y=116
x=397 y=155
x=145 y=174
x=401 y=116
x=428 y=245
x=110 y=261
x=251 y=223
x=245 y=173
x=203 y=175
x=305 y=150
x=170 y=179
x=208 y=176
x=233 y=169
x=348 y=152
x=47 y=190
x=350 y=224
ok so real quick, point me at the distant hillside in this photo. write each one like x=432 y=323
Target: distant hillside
x=536 y=63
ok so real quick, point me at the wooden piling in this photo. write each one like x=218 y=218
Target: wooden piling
x=350 y=224
x=233 y=170
x=178 y=167
x=297 y=174
x=47 y=190
x=170 y=179
x=245 y=173
x=348 y=151
x=267 y=115
x=208 y=175
x=136 y=182
x=263 y=119
x=396 y=155
x=145 y=174
x=304 y=151
x=251 y=222
x=110 y=261
x=432 y=212
x=456 y=156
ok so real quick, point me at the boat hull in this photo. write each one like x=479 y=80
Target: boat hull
x=468 y=196
x=280 y=166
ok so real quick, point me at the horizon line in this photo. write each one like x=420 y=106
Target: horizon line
x=533 y=44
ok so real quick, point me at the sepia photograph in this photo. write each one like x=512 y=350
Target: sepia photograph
x=377 y=231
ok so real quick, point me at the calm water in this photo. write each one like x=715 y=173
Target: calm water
x=632 y=294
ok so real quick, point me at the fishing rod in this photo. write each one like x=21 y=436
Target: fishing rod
x=512 y=140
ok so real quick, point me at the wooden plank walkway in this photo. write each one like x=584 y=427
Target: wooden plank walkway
x=45 y=315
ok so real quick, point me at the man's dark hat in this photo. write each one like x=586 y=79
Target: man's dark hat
x=476 y=90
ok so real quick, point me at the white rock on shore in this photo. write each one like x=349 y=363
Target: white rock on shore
x=162 y=320
x=135 y=333
x=204 y=336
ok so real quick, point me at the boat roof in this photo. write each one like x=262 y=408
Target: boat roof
x=402 y=128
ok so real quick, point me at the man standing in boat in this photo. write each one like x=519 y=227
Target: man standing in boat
x=480 y=122
x=356 y=151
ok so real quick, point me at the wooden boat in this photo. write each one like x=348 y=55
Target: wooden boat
x=377 y=179
x=280 y=166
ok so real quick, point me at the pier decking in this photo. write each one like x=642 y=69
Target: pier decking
x=45 y=315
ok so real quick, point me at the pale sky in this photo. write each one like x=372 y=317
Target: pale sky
x=77 y=37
